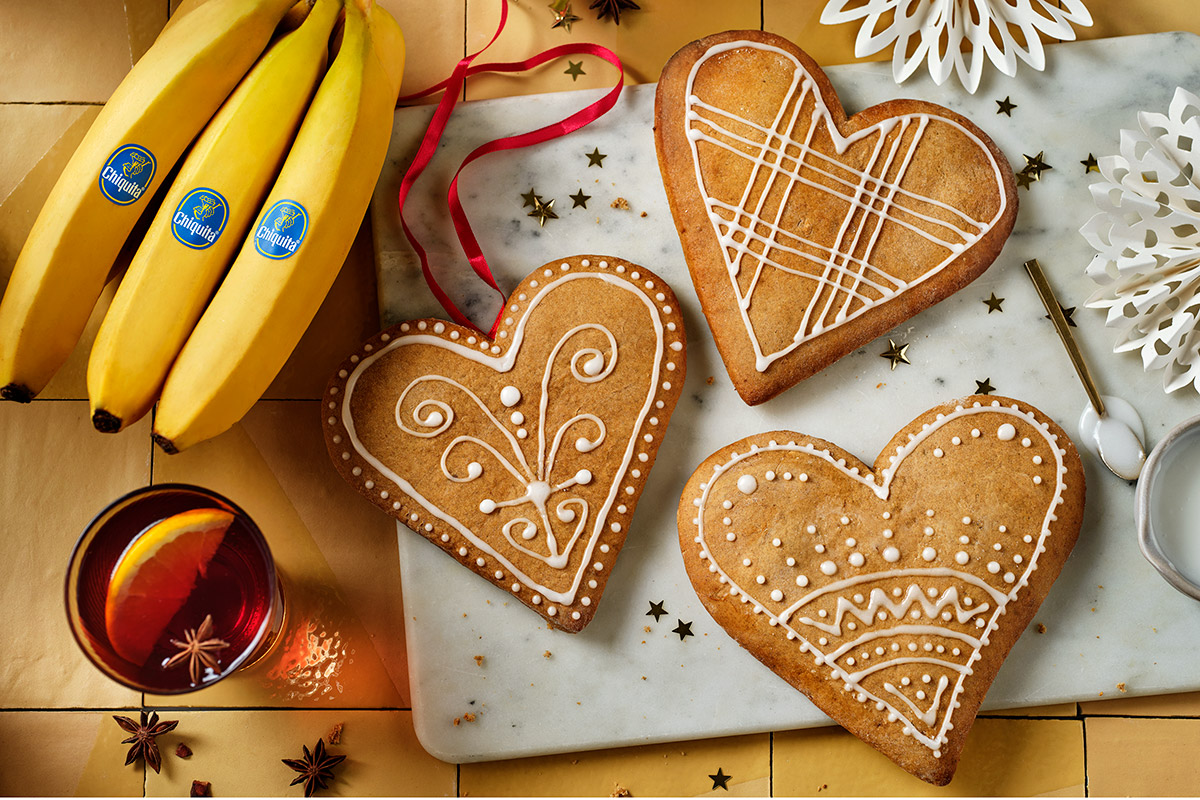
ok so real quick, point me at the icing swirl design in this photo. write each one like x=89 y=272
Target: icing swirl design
x=521 y=456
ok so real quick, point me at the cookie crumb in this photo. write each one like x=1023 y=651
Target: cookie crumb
x=646 y=628
x=644 y=214
x=710 y=380
x=335 y=733
x=1041 y=628
x=1121 y=688
x=619 y=790
x=546 y=654
x=822 y=787
x=620 y=203
x=479 y=661
x=201 y=789
x=183 y=751
x=457 y=721
x=468 y=717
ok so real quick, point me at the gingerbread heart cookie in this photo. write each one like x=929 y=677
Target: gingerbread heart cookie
x=521 y=456
x=808 y=234
x=891 y=595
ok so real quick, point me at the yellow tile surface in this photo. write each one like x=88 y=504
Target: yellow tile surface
x=1056 y=710
x=65 y=753
x=1186 y=704
x=58 y=473
x=1143 y=757
x=680 y=769
x=1003 y=757
x=325 y=656
x=239 y=753
x=800 y=21
x=433 y=34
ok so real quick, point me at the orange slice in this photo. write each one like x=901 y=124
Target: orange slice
x=155 y=576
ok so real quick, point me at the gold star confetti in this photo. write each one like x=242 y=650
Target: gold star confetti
x=897 y=353
x=574 y=70
x=1090 y=164
x=596 y=158
x=563 y=18
x=579 y=199
x=542 y=211
x=993 y=303
x=1067 y=312
x=1006 y=106
x=984 y=386
x=531 y=198
x=1036 y=166
x=1025 y=179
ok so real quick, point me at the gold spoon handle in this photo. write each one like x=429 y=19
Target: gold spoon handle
x=1064 y=332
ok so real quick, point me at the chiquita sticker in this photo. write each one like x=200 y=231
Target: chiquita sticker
x=199 y=218
x=127 y=174
x=281 y=230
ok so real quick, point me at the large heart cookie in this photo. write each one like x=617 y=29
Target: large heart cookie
x=809 y=234
x=889 y=596
x=523 y=456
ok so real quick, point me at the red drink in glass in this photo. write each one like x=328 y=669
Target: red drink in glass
x=149 y=570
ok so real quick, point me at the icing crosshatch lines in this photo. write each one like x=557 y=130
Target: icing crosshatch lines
x=523 y=456
x=772 y=225
x=859 y=588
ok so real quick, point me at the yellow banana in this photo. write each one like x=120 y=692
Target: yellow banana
x=201 y=223
x=152 y=116
x=298 y=244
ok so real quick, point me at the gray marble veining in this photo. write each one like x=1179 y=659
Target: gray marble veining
x=628 y=679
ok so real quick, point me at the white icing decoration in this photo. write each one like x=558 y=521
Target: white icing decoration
x=434 y=417
x=781 y=157
x=891 y=555
x=1006 y=432
x=983 y=614
x=747 y=484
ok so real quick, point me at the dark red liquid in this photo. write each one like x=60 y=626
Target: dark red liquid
x=238 y=589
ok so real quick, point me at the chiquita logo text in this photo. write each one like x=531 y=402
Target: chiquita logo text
x=281 y=230
x=200 y=217
x=127 y=173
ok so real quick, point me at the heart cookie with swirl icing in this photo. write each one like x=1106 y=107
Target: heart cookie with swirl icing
x=521 y=456
x=807 y=233
x=889 y=595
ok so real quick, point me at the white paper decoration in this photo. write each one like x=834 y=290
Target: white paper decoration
x=957 y=35
x=1147 y=241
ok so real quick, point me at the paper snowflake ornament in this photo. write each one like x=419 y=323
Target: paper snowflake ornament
x=1147 y=241
x=958 y=35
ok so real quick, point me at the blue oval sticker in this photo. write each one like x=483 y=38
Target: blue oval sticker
x=127 y=173
x=199 y=218
x=281 y=230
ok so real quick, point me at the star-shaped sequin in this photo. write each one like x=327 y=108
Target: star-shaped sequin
x=1025 y=179
x=574 y=70
x=1066 y=312
x=684 y=629
x=720 y=780
x=1035 y=165
x=993 y=303
x=1090 y=164
x=1006 y=106
x=984 y=386
x=657 y=610
x=579 y=199
x=542 y=212
x=531 y=198
x=897 y=353
x=596 y=158
x=563 y=18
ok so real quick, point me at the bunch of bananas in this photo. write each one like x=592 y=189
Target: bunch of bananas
x=250 y=233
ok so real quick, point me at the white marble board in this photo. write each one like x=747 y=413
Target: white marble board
x=628 y=679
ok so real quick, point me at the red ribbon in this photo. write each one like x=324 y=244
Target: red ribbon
x=452 y=88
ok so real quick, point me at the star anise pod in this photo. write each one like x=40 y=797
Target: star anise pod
x=612 y=8
x=315 y=768
x=198 y=649
x=143 y=739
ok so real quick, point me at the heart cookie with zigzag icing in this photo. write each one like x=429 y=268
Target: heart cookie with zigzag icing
x=521 y=455
x=890 y=595
x=807 y=233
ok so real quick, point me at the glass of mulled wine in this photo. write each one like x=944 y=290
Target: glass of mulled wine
x=171 y=588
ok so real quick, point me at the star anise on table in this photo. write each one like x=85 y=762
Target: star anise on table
x=198 y=650
x=143 y=739
x=612 y=8
x=315 y=768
